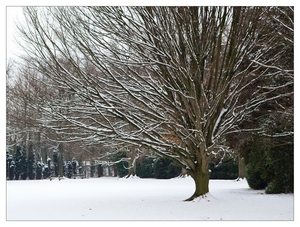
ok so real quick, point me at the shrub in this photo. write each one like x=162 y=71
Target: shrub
x=11 y=170
x=256 y=169
x=39 y=167
x=228 y=169
x=270 y=165
x=10 y=167
x=281 y=162
x=165 y=169
x=46 y=171
x=69 y=169
x=254 y=177
x=144 y=167
x=100 y=170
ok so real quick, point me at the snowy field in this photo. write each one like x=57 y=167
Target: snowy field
x=141 y=199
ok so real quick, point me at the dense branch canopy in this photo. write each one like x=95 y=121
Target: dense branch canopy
x=167 y=78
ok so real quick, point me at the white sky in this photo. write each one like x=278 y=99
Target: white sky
x=13 y=13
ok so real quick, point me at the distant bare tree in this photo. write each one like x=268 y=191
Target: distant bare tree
x=21 y=89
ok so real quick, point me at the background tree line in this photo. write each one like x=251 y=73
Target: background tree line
x=192 y=84
x=34 y=154
x=264 y=155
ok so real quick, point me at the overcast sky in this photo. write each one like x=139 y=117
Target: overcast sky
x=11 y=17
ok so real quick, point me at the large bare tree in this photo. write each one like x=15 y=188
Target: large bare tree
x=169 y=79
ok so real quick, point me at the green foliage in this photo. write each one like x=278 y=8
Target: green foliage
x=46 y=173
x=80 y=169
x=256 y=167
x=24 y=164
x=11 y=170
x=149 y=167
x=228 y=169
x=10 y=166
x=270 y=164
x=92 y=170
x=144 y=167
x=31 y=163
x=281 y=162
x=18 y=161
x=74 y=166
x=7 y=163
x=55 y=162
x=39 y=168
x=69 y=169
x=100 y=170
x=254 y=176
x=165 y=169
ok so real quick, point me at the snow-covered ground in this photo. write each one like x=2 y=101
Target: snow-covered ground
x=141 y=199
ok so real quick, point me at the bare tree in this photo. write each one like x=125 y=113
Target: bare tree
x=22 y=88
x=169 y=79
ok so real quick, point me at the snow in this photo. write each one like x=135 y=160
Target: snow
x=218 y=122
x=141 y=199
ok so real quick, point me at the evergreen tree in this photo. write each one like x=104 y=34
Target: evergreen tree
x=144 y=167
x=255 y=157
x=18 y=162
x=7 y=164
x=92 y=170
x=280 y=154
x=24 y=164
x=80 y=170
x=55 y=162
x=39 y=168
x=11 y=170
x=69 y=169
x=31 y=162
x=9 y=160
x=74 y=166
x=46 y=171
x=100 y=170
x=47 y=168
x=270 y=163
x=228 y=169
x=165 y=169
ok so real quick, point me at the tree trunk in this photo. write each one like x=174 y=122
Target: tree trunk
x=242 y=167
x=201 y=179
x=132 y=169
x=132 y=163
x=60 y=159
